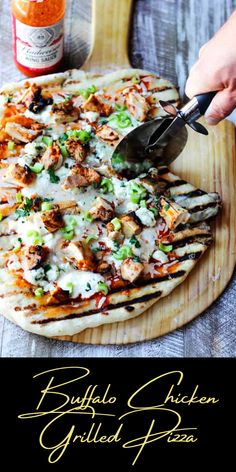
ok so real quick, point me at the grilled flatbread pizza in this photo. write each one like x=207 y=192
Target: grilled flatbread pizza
x=81 y=246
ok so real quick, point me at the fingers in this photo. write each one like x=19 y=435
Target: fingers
x=221 y=106
x=198 y=81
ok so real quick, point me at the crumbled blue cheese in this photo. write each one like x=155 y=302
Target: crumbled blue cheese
x=160 y=256
x=146 y=217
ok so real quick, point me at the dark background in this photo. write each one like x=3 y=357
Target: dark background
x=20 y=393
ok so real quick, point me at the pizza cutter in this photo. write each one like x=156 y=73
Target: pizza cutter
x=159 y=142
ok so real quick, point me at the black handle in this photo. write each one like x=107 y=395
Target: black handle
x=204 y=100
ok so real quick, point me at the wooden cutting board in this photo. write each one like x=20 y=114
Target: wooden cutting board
x=206 y=162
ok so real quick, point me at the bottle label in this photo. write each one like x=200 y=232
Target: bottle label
x=38 y=47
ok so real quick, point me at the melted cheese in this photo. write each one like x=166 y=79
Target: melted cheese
x=82 y=281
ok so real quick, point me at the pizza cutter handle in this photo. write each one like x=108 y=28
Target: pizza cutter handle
x=196 y=107
x=204 y=100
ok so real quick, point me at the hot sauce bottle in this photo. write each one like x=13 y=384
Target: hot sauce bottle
x=38 y=35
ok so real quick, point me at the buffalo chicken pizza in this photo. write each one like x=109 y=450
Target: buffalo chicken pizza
x=80 y=245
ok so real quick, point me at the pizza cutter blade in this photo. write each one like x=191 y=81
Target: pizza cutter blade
x=159 y=142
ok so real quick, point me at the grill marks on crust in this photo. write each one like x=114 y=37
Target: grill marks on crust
x=184 y=239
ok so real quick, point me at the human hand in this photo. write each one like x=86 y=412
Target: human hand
x=216 y=70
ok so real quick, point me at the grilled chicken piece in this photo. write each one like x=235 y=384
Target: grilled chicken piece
x=35 y=256
x=18 y=175
x=76 y=149
x=95 y=103
x=68 y=207
x=20 y=133
x=80 y=254
x=57 y=295
x=34 y=100
x=131 y=270
x=65 y=112
x=108 y=135
x=114 y=234
x=130 y=226
x=173 y=213
x=52 y=158
x=137 y=105
x=103 y=267
x=52 y=219
x=102 y=210
x=150 y=184
x=81 y=177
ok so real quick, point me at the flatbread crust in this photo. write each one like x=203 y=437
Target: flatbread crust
x=190 y=242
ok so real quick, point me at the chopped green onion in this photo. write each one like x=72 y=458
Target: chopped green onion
x=47 y=140
x=80 y=134
x=54 y=179
x=68 y=232
x=37 y=168
x=118 y=162
x=46 y=206
x=72 y=221
x=87 y=216
x=136 y=259
x=39 y=292
x=88 y=91
x=135 y=80
x=107 y=185
x=88 y=287
x=19 y=197
x=134 y=241
x=1 y=216
x=143 y=203
x=90 y=237
x=10 y=145
x=116 y=223
x=70 y=287
x=120 y=107
x=123 y=253
x=137 y=192
x=103 y=287
x=63 y=150
x=37 y=239
x=166 y=206
x=63 y=137
x=18 y=246
x=154 y=210
x=165 y=248
x=120 y=119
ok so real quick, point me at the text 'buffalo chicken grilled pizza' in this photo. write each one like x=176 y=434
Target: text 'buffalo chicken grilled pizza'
x=79 y=245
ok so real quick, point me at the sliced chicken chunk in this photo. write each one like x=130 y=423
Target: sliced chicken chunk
x=20 y=133
x=80 y=254
x=131 y=270
x=34 y=100
x=102 y=209
x=76 y=149
x=173 y=213
x=64 y=112
x=103 y=267
x=113 y=234
x=68 y=207
x=108 y=135
x=35 y=256
x=95 y=103
x=52 y=219
x=137 y=105
x=52 y=158
x=130 y=226
x=81 y=177
x=21 y=176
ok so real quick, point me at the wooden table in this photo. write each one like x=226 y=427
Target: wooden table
x=166 y=37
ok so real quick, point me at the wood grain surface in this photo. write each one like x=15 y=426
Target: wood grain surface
x=166 y=37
